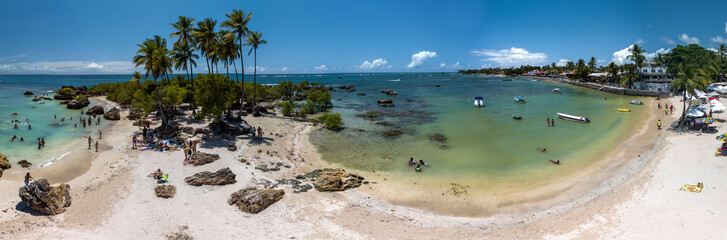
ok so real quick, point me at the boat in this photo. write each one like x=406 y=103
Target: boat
x=637 y=102
x=624 y=110
x=555 y=162
x=574 y=118
x=556 y=90
x=518 y=117
x=479 y=102
x=519 y=99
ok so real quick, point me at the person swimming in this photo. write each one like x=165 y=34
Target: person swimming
x=21 y=139
x=14 y=137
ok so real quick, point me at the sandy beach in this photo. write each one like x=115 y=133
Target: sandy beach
x=623 y=195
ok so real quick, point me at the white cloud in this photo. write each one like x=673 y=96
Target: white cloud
x=94 y=65
x=622 y=56
x=451 y=66
x=418 y=59
x=562 y=62
x=688 y=40
x=259 y=68
x=321 y=68
x=511 y=57
x=284 y=69
x=69 y=67
x=640 y=41
x=650 y=56
x=13 y=58
x=442 y=65
x=376 y=64
x=718 y=39
x=713 y=49
x=668 y=40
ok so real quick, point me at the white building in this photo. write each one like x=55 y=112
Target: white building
x=655 y=78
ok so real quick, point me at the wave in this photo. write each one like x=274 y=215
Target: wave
x=395 y=80
x=50 y=160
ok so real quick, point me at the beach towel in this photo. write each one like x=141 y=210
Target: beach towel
x=692 y=188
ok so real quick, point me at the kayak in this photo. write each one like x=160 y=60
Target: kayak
x=637 y=103
x=518 y=117
x=624 y=110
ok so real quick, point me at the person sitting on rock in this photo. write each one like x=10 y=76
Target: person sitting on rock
x=158 y=173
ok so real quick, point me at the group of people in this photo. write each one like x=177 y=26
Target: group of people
x=15 y=137
x=41 y=142
x=87 y=121
x=91 y=141
x=419 y=165
x=550 y=122
x=667 y=108
x=257 y=134
x=190 y=148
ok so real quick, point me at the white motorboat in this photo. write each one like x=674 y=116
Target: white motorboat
x=556 y=90
x=574 y=118
x=479 y=102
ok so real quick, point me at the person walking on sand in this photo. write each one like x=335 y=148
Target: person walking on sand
x=194 y=147
x=658 y=124
x=90 y=140
x=99 y=134
x=96 y=146
x=133 y=142
x=28 y=178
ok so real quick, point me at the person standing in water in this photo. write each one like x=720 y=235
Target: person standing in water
x=99 y=134
x=547 y=121
x=90 y=140
x=38 y=143
x=96 y=146
x=42 y=142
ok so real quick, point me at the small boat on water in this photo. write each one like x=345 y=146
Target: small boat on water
x=637 y=102
x=556 y=90
x=479 y=102
x=517 y=117
x=624 y=110
x=574 y=118
x=520 y=99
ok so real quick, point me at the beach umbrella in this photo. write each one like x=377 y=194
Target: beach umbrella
x=722 y=137
x=694 y=113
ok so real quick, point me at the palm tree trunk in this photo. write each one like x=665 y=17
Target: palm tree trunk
x=209 y=68
x=191 y=78
x=242 y=72
x=254 y=80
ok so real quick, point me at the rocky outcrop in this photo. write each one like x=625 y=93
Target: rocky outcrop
x=78 y=104
x=165 y=191
x=254 y=200
x=27 y=93
x=24 y=163
x=200 y=158
x=392 y=133
x=95 y=110
x=4 y=164
x=44 y=198
x=259 y=110
x=221 y=177
x=231 y=147
x=385 y=123
x=387 y=101
x=112 y=114
x=370 y=115
x=338 y=179
x=350 y=88
x=389 y=92
x=438 y=138
x=135 y=114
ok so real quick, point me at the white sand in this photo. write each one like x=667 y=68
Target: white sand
x=114 y=199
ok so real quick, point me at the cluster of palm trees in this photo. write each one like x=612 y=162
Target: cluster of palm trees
x=224 y=46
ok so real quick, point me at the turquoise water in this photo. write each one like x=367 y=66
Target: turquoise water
x=41 y=117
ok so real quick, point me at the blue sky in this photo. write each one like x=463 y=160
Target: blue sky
x=91 y=37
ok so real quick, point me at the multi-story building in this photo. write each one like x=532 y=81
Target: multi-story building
x=655 y=78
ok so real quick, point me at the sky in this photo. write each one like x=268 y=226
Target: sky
x=100 y=37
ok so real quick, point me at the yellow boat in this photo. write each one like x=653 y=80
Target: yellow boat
x=624 y=110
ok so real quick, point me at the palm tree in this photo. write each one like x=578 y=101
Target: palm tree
x=612 y=69
x=205 y=36
x=154 y=55
x=254 y=39
x=184 y=56
x=637 y=55
x=237 y=22
x=570 y=66
x=630 y=75
x=592 y=64
x=688 y=79
x=722 y=52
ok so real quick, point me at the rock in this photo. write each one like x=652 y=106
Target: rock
x=95 y=110
x=46 y=98
x=438 y=137
x=200 y=158
x=254 y=200
x=112 y=114
x=165 y=191
x=361 y=94
x=63 y=102
x=389 y=92
x=202 y=131
x=258 y=110
x=78 y=104
x=297 y=186
x=385 y=123
x=231 y=147
x=28 y=93
x=46 y=199
x=24 y=163
x=36 y=99
x=370 y=115
x=180 y=235
x=14 y=114
x=4 y=163
x=221 y=177
x=135 y=114
x=336 y=180
x=263 y=167
x=350 y=88
x=388 y=101
x=188 y=130
x=392 y=133
x=438 y=85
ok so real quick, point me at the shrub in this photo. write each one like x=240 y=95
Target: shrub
x=309 y=108
x=80 y=97
x=287 y=108
x=332 y=121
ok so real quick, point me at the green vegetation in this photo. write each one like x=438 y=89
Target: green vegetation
x=65 y=91
x=287 y=109
x=213 y=94
x=332 y=121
